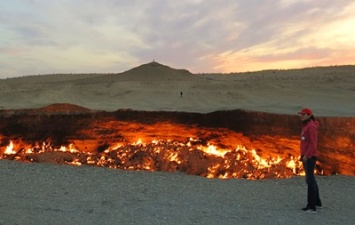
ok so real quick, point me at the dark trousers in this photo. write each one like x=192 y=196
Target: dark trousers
x=313 y=192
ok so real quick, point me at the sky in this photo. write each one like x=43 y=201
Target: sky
x=203 y=36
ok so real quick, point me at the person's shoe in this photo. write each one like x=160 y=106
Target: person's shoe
x=308 y=210
x=319 y=204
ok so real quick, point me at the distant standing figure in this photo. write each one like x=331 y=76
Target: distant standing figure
x=181 y=94
x=308 y=148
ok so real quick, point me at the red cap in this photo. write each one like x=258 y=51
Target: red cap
x=306 y=111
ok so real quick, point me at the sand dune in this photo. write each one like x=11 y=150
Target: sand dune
x=329 y=91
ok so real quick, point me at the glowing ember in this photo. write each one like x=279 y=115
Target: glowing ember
x=190 y=157
x=9 y=149
x=211 y=149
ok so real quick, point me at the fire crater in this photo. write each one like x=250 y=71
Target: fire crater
x=231 y=144
x=190 y=157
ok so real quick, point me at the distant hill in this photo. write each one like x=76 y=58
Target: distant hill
x=153 y=71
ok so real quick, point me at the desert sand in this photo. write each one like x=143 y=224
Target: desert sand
x=53 y=194
x=329 y=91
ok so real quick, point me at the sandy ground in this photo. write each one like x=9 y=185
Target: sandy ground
x=51 y=194
x=329 y=91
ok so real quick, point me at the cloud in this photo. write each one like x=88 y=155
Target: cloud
x=201 y=36
x=306 y=35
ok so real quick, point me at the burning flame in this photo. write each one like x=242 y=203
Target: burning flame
x=9 y=149
x=190 y=157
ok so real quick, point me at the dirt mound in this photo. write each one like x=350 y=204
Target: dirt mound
x=53 y=109
x=154 y=71
x=63 y=108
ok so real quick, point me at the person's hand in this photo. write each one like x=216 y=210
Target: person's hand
x=304 y=159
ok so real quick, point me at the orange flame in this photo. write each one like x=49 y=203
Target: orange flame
x=159 y=155
x=9 y=149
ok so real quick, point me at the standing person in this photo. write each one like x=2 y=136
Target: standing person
x=309 y=155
